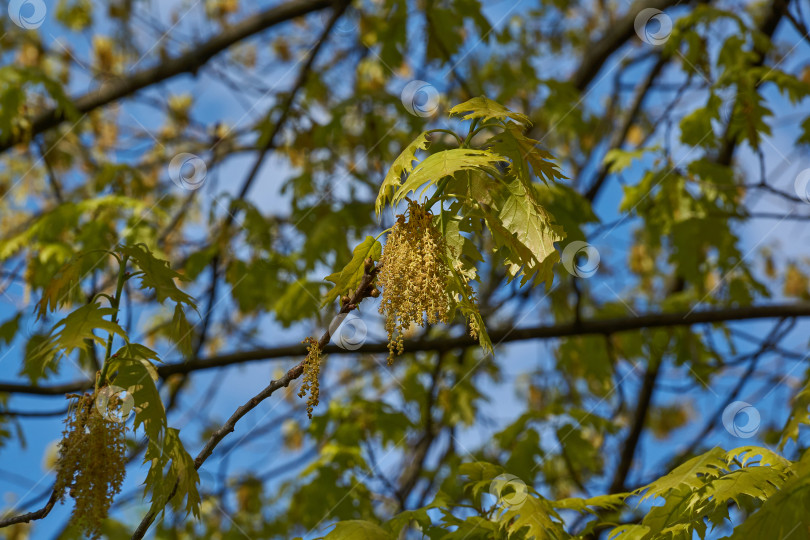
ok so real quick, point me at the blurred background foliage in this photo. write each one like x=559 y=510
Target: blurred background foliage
x=686 y=165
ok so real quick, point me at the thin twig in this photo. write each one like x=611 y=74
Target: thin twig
x=363 y=291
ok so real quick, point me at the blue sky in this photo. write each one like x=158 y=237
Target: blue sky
x=24 y=483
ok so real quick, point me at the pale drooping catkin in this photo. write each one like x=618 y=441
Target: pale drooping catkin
x=312 y=369
x=413 y=276
x=92 y=463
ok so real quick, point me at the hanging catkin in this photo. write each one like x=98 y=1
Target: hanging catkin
x=92 y=463
x=413 y=276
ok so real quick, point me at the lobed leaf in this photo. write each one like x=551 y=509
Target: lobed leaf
x=527 y=158
x=692 y=474
x=482 y=107
x=157 y=275
x=524 y=232
x=171 y=465
x=358 y=530
x=446 y=163
x=68 y=335
x=182 y=332
x=132 y=370
x=351 y=274
x=402 y=166
x=535 y=518
x=63 y=287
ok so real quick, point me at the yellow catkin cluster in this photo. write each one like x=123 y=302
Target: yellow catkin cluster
x=474 y=328
x=92 y=463
x=469 y=294
x=413 y=276
x=312 y=369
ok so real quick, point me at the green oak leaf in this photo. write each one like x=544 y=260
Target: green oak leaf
x=351 y=274
x=358 y=530
x=69 y=334
x=447 y=163
x=481 y=107
x=157 y=274
x=402 y=165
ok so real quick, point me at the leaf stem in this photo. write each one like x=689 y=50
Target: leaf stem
x=104 y=295
x=453 y=133
x=382 y=233
x=470 y=134
x=482 y=128
x=438 y=193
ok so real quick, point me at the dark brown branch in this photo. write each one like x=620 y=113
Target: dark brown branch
x=52 y=180
x=31 y=516
x=645 y=398
x=54 y=390
x=340 y=6
x=412 y=469
x=767 y=345
x=33 y=414
x=620 y=135
x=639 y=420
x=768 y=28
x=505 y=335
x=593 y=327
x=800 y=27
x=189 y=62
x=620 y=31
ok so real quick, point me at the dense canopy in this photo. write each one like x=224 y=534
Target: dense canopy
x=396 y=269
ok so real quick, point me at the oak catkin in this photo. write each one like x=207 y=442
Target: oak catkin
x=413 y=276
x=92 y=463
x=312 y=370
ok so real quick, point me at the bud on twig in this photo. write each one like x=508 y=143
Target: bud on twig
x=368 y=264
x=375 y=292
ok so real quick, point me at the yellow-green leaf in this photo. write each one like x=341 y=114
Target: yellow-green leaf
x=526 y=157
x=351 y=274
x=63 y=287
x=528 y=231
x=402 y=165
x=70 y=334
x=481 y=107
x=182 y=331
x=133 y=371
x=358 y=530
x=447 y=163
x=157 y=274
